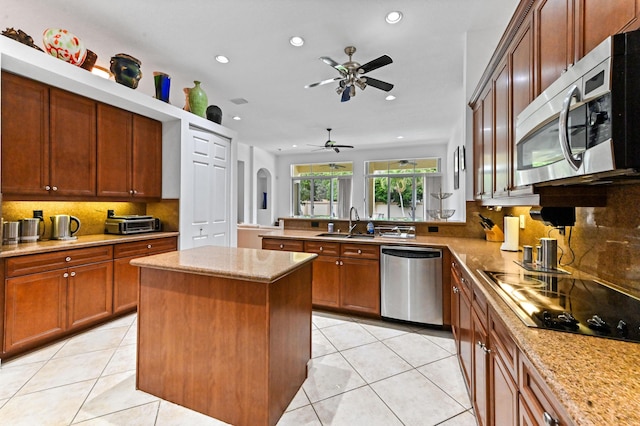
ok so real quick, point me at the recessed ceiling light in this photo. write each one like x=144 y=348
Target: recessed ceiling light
x=237 y=117
x=390 y=97
x=393 y=17
x=296 y=41
x=294 y=146
x=222 y=59
x=399 y=137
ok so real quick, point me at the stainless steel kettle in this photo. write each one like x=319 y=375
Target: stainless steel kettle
x=61 y=227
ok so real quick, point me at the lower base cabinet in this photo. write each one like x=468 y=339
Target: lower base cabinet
x=503 y=385
x=49 y=295
x=126 y=277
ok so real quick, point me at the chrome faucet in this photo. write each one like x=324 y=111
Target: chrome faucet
x=352 y=226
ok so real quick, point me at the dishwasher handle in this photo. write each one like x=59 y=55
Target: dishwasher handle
x=412 y=254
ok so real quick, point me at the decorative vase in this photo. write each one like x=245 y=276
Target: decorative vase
x=163 y=84
x=214 y=113
x=126 y=70
x=186 y=91
x=64 y=45
x=198 y=100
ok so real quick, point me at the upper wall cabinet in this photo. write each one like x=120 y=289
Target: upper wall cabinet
x=48 y=140
x=543 y=39
x=61 y=146
x=129 y=154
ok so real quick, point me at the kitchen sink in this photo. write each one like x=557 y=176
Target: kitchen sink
x=336 y=235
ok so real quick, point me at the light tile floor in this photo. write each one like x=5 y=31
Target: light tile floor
x=363 y=372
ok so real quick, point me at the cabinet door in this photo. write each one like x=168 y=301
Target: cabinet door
x=25 y=135
x=502 y=131
x=521 y=84
x=126 y=279
x=480 y=371
x=326 y=281
x=466 y=336
x=554 y=39
x=598 y=19
x=73 y=144
x=147 y=157
x=478 y=152
x=455 y=306
x=487 y=145
x=504 y=392
x=89 y=295
x=360 y=285
x=35 y=308
x=113 y=152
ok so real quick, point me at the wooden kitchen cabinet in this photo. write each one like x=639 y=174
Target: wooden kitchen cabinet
x=504 y=373
x=35 y=309
x=360 y=285
x=480 y=383
x=478 y=152
x=282 y=244
x=325 y=282
x=502 y=132
x=73 y=144
x=462 y=322
x=554 y=40
x=126 y=277
x=25 y=135
x=89 y=293
x=48 y=141
x=50 y=293
x=487 y=145
x=129 y=154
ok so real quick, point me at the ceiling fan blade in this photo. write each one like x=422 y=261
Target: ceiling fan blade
x=379 y=84
x=327 y=60
x=320 y=83
x=341 y=146
x=375 y=64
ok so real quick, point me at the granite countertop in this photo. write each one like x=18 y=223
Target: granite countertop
x=83 y=241
x=597 y=380
x=264 y=266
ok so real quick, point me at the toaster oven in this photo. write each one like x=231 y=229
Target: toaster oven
x=131 y=224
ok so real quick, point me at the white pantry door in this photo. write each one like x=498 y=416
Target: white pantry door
x=208 y=187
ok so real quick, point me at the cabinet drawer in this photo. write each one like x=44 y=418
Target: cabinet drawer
x=322 y=247
x=143 y=248
x=543 y=407
x=284 y=245
x=360 y=251
x=31 y=264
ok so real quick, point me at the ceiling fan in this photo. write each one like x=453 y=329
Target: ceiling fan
x=329 y=144
x=351 y=75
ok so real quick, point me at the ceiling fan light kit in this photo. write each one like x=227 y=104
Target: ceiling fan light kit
x=351 y=75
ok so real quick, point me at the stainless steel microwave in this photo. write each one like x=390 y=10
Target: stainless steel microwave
x=585 y=127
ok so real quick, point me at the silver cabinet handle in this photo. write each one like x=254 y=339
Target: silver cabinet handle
x=281 y=246
x=549 y=420
x=55 y=188
x=73 y=274
x=341 y=263
x=321 y=248
x=148 y=246
x=359 y=251
x=67 y=259
x=338 y=262
x=574 y=160
x=484 y=347
x=47 y=188
x=456 y=290
x=65 y=275
x=135 y=192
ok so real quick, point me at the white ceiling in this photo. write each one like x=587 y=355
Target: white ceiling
x=182 y=38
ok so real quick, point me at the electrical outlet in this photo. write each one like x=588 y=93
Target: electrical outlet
x=38 y=214
x=521 y=221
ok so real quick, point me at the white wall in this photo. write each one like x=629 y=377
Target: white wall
x=358 y=157
x=255 y=159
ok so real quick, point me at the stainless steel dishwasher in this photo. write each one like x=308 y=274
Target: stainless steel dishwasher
x=411 y=284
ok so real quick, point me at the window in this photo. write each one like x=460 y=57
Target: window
x=400 y=189
x=321 y=190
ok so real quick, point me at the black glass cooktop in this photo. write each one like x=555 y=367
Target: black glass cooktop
x=569 y=304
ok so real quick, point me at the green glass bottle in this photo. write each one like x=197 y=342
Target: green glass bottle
x=198 y=100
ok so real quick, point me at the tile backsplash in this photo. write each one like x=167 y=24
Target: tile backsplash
x=604 y=242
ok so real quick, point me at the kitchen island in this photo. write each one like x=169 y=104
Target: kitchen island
x=225 y=331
